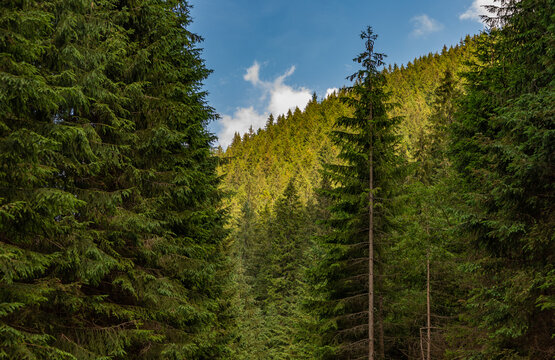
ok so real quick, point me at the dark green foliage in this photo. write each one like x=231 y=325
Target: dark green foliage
x=112 y=240
x=503 y=146
x=111 y=244
x=249 y=342
x=343 y=272
x=273 y=248
x=484 y=213
x=288 y=234
x=261 y=165
x=430 y=152
x=426 y=224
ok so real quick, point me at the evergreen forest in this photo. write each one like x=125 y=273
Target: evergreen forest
x=409 y=215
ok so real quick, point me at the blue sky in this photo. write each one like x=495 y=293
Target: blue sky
x=271 y=55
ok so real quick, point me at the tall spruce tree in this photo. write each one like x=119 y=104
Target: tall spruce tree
x=274 y=245
x=288 y=236
x=426 y=281
x=503 y=148
x=110 y=238
x=364 y=181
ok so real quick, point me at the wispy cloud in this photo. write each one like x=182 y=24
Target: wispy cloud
x=476 y=10
x=253 y=74
x=331 y=91
x=424 y=25
x=240 y=121
x=276 y=98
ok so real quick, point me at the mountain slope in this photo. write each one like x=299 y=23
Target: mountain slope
x=259 y=165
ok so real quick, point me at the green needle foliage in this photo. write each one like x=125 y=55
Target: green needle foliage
x=477 y=202
x=274 y=252
x=503 y=148
x=113 y=237
x=426 y=233
x=289 y=239
x=110 y=238
x=343 y=272
x=296 y=144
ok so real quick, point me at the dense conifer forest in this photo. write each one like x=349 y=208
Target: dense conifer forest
x=407 y=216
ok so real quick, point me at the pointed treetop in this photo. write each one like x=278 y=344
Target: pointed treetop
x=369 y=59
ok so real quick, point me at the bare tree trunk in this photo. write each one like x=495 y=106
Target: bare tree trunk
x=380 y=321
x=429 y=321
x=421 y=345
x=371 y=248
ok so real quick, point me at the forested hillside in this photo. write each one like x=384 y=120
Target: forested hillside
x=459 y=146
x=410 y=215
x=297 y=144
x=289 y=156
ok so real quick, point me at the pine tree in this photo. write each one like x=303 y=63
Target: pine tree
x=250 y=331
x=431 y=151
x=425 y=280
x=503 y=146
x=111 y=241
x=363 y=184
x=272 y=247
x=287 y=232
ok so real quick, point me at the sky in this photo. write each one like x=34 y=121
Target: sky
x=269 y=56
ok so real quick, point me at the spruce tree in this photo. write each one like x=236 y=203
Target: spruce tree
x=111 y=241
x=425 y=275
x=502 y=147
x=249 y=336
x=288 y=235
x=363 y=187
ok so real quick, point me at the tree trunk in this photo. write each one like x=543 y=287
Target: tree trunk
x=371 y=248
x=429 y=322
x=380 y=322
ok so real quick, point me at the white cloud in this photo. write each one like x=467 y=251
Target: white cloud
x=476 y=10
x=276 y=98
x=252 y=74
x=331 y=91
x=284 y=97
x=242 y=119
x=424 y=25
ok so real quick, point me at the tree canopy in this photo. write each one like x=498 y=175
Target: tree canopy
x=110 y=232
x=408 y=216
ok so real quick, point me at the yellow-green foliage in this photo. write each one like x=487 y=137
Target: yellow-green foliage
x=259 y=165
x=412 y=88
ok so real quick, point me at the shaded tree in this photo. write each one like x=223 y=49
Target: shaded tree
x=363 y=182
x=503 y=146
x=110 y=235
